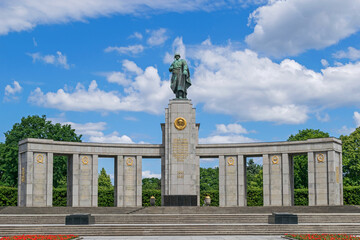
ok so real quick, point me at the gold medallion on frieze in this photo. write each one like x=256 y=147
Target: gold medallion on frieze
x=275 y=159
x=129 y=161
x=320 y=157
x=180 y=123
x=85 y=160
x=231 y=161
x=40 y=158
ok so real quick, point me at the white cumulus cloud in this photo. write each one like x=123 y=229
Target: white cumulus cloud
x=253 y=88
x=157 y=37
x=230 y=133
x=178 y=46
x=132 y=49
x=93 y=132
x=11 y=91
x=286 y=28
x=149 y=174
x=351 y=53
x=23 y=15
x=146 y=92
x=59 y=59
x=357 y=118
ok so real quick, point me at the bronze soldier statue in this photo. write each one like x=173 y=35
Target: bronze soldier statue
x=180 y=80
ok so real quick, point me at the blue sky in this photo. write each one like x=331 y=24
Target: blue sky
x=261 y=70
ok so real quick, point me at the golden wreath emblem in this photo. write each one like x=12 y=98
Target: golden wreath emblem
x=129 y=161
x=231 y=161
x=275 y=159
x=320 y=157
x=40 y=158
x=85 y=160
x=180 y=123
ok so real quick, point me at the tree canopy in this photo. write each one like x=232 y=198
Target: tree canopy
x=209 y=179
x=254 y=174
x=351 y=158
x=33 y=127
x=104 y=179
x=151 y=183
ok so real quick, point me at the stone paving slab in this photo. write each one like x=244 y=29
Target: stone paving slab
x=185 y=238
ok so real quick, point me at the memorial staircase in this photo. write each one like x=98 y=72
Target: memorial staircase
x=179 y=221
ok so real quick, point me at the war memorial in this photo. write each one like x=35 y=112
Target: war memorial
x=180 y=154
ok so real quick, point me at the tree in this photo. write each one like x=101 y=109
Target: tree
x=351 y=158
x=33 y=127
x=301 y=162
x=104 y=179
x=151 y=183
x=254 y=175
x=209 y=179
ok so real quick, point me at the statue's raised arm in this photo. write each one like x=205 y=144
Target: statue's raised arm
x=180 y=79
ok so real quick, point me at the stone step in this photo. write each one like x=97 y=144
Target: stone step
x=164 y=230
x=176 y=218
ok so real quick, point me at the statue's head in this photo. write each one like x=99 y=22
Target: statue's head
x=177 y=56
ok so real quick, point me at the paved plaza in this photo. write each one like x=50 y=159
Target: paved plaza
x=186 y=237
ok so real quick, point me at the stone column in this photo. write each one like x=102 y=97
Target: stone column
x=242 y=188
x=311 y=179
x=198 y=179
x=36 y=179
x=94 y=181
x=231 y=181
x=287 y=188
x=222 y=182
x=130 y=180
x=138 y=181
x=266 y=180
x=25 y=175
x=275 y=180
x=321 y=178
x=119 y=181
x=82 y=180
x=325 y=178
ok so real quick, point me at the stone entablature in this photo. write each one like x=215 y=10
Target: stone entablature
x=259 y=149
x=100 y=149
x=180 y=156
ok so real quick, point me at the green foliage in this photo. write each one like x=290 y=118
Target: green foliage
x=59 y=197
x=352 y=195
x=60 y=171
x=351 y=158
x=148 y=193
x=214 y=196
x=301 y=162
x=106 y=196
x=254 y=175
x=104 y=179
x=151 y=183
x=308 y=134
x=8 y=196
x=209 y=179
x=254 y=197
x=33 y=127
x=301 y=197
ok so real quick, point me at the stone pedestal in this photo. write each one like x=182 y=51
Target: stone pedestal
x=277 y=187
x=82 y=181
x=325 y=178
x=35 y=179
x=128 y=181
x=180 y=166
